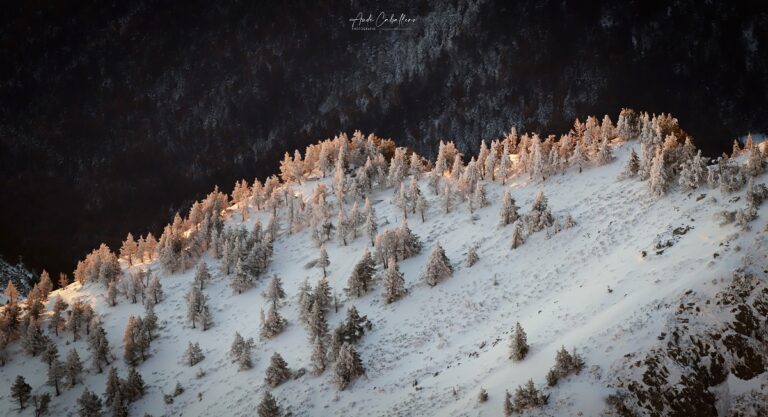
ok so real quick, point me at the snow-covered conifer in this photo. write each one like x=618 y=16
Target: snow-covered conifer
x=56 y=374
x=348 y=366
x=438 y=267
x=273 y=323
x=268 y=406
x=518 y=346
x=508 y=214
x=658 y=181
x=89 y=404
x=632 y=167
x=277 y=372
x=518 y=238
x=323 y=261
x=480 y=197
x=194 y=354
x=241 y=352
x=318 y=359
x=394 y=283
x=73 y=368
x=362 y=275
x=472 y=256
x=154 y=291
x=202 y=276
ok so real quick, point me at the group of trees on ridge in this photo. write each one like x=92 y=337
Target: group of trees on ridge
x=358 y=166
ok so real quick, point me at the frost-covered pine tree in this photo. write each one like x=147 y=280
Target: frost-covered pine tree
x=604 y=153
x=509 y=408
x=316 y=323
x=134 y=386
x=322 y=294
x=273 y=323
x=194 y=354
x=518 y=346
x=241 y=352
x=362 y=275
x=73 y=368
x=518 y=238
x=241 y=280
x=99 y=345
x=195 y=300
x=114 y=385
x=56 y=373
x=658 y=180
x=323 y=261
x=438 y=267
x=481 y=199
x=394 y=283
x=578 y=159
x=692 y=172
x=89 y=404
x=348 y=366
x=154 y=290
x=275 y=292
x=540 y=216
x=112 y=294
x=415 y=166
x=508 y=214
x=277 y=372
x=632 y=167
x=202 y=276
x=472 y=256
x=447 y=197
x=371 y=227
x=268 y=406
x=755 y=162
x=401 y=200
x=318 y=359
x=342 y=226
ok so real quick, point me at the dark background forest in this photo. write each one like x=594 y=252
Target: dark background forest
x=114 y=115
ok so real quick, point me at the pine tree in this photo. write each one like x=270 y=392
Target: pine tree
x=658 y=181
x=154 y=291
x=132 y=341
x=56 y=373
x=540 y=216
x=45 y=285
x=268 y=406
x=63 y=280
x=447 y=197
x=692 y=173
x=481 y=200
x=316 y=323
x=194 y=354
x=578 y=159
x=21 y=391
x=40 y=403
x=342 y=226
x=527 y=397
x=89 y=404
x=604 y=153
x=348 y=366
x=57 y=321
x=362 y=275
x=509 y=409
x=275 y=291
x=73 y=367
x=34 y=341
x=277 y=372
x=355 y=325
x=134 y=386
x=273 y=324
x=119 y=406
x=114 y=385
x=99 y=346
x=11 y=293
x=323 y=261
x=371 y=226
x=518 y=238
x=322 y=294
x=112 y=294
x=438 y=267
x=241 y=352
x=632 y=167
x=50 y=353
x=241 y=280
x=402 y=200
x=202 y=276
x=518 y=346
x=472 y=256
x=394 y=283
x=318 y=358
x=509 y=209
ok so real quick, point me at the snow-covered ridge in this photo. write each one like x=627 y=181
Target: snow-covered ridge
x=601 y=267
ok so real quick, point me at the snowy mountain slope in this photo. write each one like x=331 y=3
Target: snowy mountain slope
x=430 y=352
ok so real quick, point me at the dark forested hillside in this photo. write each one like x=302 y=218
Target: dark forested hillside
x=113 y=116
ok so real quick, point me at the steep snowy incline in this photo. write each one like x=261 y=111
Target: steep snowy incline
x=603 y=286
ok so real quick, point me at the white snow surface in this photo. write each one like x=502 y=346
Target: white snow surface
x=451 y=337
